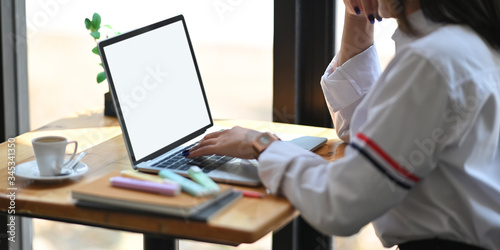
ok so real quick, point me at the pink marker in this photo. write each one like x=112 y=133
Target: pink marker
x=170 y=189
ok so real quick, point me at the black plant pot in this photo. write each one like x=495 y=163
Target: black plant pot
x=109 y=107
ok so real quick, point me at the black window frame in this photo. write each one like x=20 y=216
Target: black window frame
x=14 y=69
x=304 y=44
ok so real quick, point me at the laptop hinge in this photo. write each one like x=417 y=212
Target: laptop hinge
x=154 y=161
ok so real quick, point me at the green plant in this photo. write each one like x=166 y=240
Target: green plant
x=94 y=26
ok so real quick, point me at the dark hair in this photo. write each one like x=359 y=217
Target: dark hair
x=482 y=16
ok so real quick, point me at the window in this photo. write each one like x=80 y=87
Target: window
x=232 y=45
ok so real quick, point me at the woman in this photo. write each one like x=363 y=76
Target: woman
x=424 y=158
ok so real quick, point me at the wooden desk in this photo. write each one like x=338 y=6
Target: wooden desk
x=244 y=222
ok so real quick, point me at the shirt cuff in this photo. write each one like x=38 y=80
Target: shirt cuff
x=275 y=160
x=352 y=80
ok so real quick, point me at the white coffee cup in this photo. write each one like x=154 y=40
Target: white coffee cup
x=50 y=152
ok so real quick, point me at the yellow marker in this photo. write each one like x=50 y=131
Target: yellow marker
x=142 y=176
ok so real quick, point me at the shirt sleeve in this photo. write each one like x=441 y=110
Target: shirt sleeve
x=345 y=86
x=389 y=155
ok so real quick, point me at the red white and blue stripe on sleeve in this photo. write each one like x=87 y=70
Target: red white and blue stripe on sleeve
x=384 y=162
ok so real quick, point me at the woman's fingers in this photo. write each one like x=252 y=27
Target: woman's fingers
x=206 y=142
x=370 y=9
x=367 y=8
x=353 y=7
x=213 y=134
x=209 y=139
x=234 y=142
x=201 y=151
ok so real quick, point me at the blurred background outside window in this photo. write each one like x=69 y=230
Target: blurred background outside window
x=233 y=47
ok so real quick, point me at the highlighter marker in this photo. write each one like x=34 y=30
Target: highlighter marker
x=145 y=177
x=201 y=178
x=187 y=185
x=140 y=176
x=148 y=186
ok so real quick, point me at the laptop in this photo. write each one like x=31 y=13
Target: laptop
x=161 y=104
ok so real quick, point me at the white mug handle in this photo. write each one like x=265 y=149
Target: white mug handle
x=74 y=152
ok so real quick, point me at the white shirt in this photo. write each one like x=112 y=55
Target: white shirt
x=424 y=155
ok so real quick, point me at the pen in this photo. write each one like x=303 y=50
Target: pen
x=251 y=194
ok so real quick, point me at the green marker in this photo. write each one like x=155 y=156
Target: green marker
x=201 y=178
x=187 y=185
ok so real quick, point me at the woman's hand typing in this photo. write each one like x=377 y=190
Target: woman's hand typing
x=235 y=142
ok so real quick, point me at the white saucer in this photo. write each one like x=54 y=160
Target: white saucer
x=29 y=170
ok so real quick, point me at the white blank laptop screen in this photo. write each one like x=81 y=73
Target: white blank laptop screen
x=157 y=87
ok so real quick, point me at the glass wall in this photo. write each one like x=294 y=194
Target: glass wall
x=233 y=44
x=233 y=48
x=232 y=40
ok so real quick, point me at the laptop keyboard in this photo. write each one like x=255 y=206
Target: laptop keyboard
x=207 y=163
